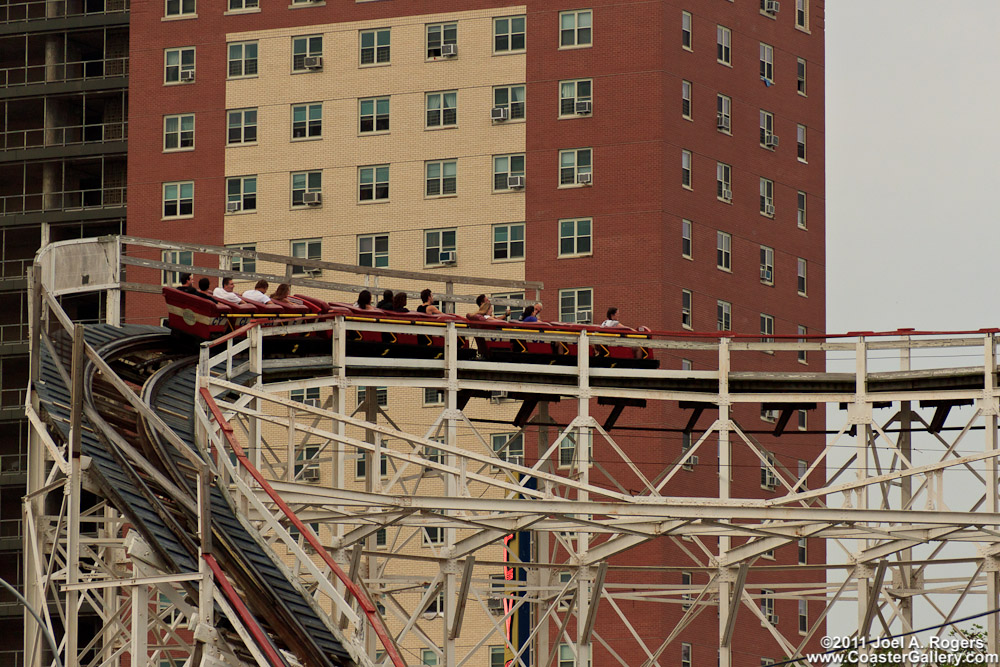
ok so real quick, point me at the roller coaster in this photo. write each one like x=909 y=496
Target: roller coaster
x=198 y=502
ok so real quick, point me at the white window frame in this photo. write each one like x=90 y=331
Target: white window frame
x=687 y=105
x=438 y=398
x=686 y=655
x=767 y=62
x=582 y=35
x=381 y=396
x=767 y=329
x=800 y=76
x=800 y=143
x=375 y=115
x=803 y=616
x=511 y=98
x=440 y=100
x=246 y=195
x=514 y=450
x=243 y=264
x=180 y=12
x=687 y=239
x=442 y=175
x=579 y=232
x=801 y=210
x=509 y=244
x=509 y=34
x=179 y=133
x=687 y=173
x=369 y=252
x=687 y=309
x=178 y=198
x=246 y=63
x=802 y=551
x=724 y=315
x=570 y=163
x=574 y=294
x=572 y=91
x=687 y=32
x=724 y=251
x=242 y=6
x=724 y=45
x=504 y=166
x=768 y=479
x=724 y=113
x=181 y=52
x=309 y=44
x=434 y=242
x=442 y=30
x=767 y=265
x=182 y=257
x=375 y=171
x=802 y=356
x=801 y=277
x=305 y=249
x=802 y=15
x=686 y=580
x=308 y=123
x=766 y=197
x=429 y=538
x=376 y=47
x=766 y=128
x=313 y=182
x=243 y=125
x=723 y=181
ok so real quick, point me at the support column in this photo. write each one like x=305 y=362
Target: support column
x=34 y=506
x=725 y=483
x=449 y=574
x=140 y=625
x=991 y=621
x=540 y=538
x=861 y=414
x=73 y=489
x=905 y=445
x=582 y=465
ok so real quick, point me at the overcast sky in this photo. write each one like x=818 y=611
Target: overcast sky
x=913 y=149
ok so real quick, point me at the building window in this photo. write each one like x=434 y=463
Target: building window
x=242 y=126
x=768 y=480
x=576 y=306
x=766 y=328
x=242 y=59
x=374 y=46
x=176 y=62
x=686 y=169
x=510 y=98
x=498 y=656
x=428 y=656
x=686 y=655
x=803 y=548
x=575 y=28
x=505 y=166
x=436 y=242
x=724 y=42
x=724 y=251
x=801 y=355
x=433 y=396
x=303 y=182
x=800 y=76
x=572 y=92
x=373 y=250
x=240 y=5
x=723 y=117
x=767 y=197
x=305 y=249
x=308 y=46
x=442 y=177
x=442 y=109
x=181 y=8
x=508 y=241
x=801 y=218
x=801 y=276
x=686 y=99
x=307 y=121
x=306 y=464
x=566 y=656
x=724 y=315
x=575 y=237
x=433 y=535
x=767 y=606
x=381 y=396
x=686 y=595
x=687 y=244
x=308 y=396
x=182 y=257
x=243 y=264
x=767 y=265
x=178 y=199
x=767 y=130
x=373 y=114
x=686 y=41
x=573 y=164
x=800 y=141
x=767 y=63
x=381 y=538
x=803 y=617
x=802 y=14
x=723 y=181
x=439 y=34
x=241 y=194
x=178 y=132
x=508 y=34
x=373 y=183
x=686 y=304
x=509 y=447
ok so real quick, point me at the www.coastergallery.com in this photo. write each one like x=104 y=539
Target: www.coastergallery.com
x=913 y=657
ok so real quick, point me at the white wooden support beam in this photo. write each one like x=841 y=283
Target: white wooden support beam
x=463 y=595
x=734 y=603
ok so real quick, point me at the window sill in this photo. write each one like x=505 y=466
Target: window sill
x=687 y=48
x=804 y=363
x=509 y=191
x=803 y=161
x=178 y=150
x=371 y=65
x=304 y=207
x=307 y=71
x=509 y=260
x=571 y=116
x=182 y=17
x=803 y=295
x=575 y=255
x=725 y=201
x=436 y=128
x=366 y=202
x=767 y=284
x=728 y=133
x=769 y=216
x=177 y=217
x=509 y=121
x=437 y=59
x=724 y=63
x=236 y=12
x=767 y=148
x=575 y=186
x=247 y=143
x=300 y=139
x=242 y=76
x=801 y=94
x=379 y=133
x=689 y=118
x=771 y=15
x=177 y=83
x=447 y=196
x=687 y=187
x=241 y=212
x=724 y=270
x=687 y=327
x=804 y=29
x=802 y=227
x=687 y=257
x=573 y=47
x=305 y=5
x=516 y=52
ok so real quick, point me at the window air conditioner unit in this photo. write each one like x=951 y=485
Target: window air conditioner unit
x=772 y=619
x=312 y=273
x=449 y=50
x=766 y=273
x=515 y=182
x=314 y=402
x=312 y=198
x=722 y=122
x=769 y=209
x=516 y=460
x=727 y=195
x=691 y=463
x=495 y=605
x=583 y=107
x=187 y=75
x=497 y=396
x=771 y=141
x=584 y=179
x=447 y=257
x=583 y=316
x=313 y=62
x=772 y=6
x=310 y=475
x=499 y=113
x=233 y=206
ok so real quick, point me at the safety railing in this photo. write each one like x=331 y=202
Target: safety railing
x=77 y=70
x=40 y=10
x=65 y=200
x=66 y=135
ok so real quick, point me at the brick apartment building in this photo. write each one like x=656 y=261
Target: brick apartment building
x=663 y=157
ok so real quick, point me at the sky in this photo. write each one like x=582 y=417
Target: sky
x=913 y=161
